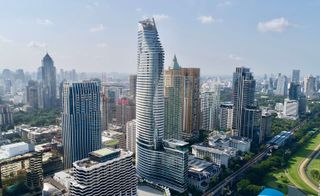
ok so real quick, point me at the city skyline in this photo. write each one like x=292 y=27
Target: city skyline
x=89 y=39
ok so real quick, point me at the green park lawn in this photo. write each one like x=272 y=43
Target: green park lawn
x=297 y=158
x=279 y=179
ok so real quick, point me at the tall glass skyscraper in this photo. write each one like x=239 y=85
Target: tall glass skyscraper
x=48 y=81
x=295 y=76
x=81 y=120
x=162 y=162
x=243 y=94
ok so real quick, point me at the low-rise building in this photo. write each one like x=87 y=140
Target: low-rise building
x=200 y=173
x=11 y=150
x=216 y=154
x=290 y=109
x=39 y=134
x=221 y=139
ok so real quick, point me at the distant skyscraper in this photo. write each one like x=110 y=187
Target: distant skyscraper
x=294 y=91
x=302 y=105
x=132 y=85
x=161 y=162
x=131 y=136
x=226 y=116
x=48 y=78
x=32 y=94
x=81 y=120
x=125 y=111
x=210 y=106
x=282 y=86
x=5 y=117
x=295 y=76
x=105 y=172
x=309 y=86
x=108 y=106
x=243 y=96
x=173 y=101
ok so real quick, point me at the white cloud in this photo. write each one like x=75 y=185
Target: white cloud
x=35 y=44
x=206 y=19
x=160 y=17
x=99 y=27
x=102 y=45
x=275 y=25
x=45 y=22
x=91 y=6
x=3 y=39
x=235 y=57
x=224 y=4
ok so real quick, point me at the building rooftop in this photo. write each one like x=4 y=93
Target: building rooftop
x=102 y=152
x=102 y=156
x=216 y=149
x=198 y=165
x=176 y=142
x=14 y=145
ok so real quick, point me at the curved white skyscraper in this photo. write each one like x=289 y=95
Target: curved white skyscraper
x=163 y=162
x=150 y=100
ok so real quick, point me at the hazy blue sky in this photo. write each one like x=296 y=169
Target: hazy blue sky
x=267 y=36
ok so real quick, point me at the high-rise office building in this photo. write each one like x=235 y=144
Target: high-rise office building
x=295 y=76
x=265 y=128
x=294 y=91
x=131 y=136
x=251 y=121
x=108 y=106
x=6 y=118
x=210 y=106
x=173 y=101
x=104 y=107
x=243 y=95
x=161 y=162
x=105 y=172
x=182 y=100
x=302 y=105
x=81 y=120
x=125 y=111
x=191 y=102
x=48 y=80
x=132 y=85
x=282 y=86
x=226 y=116
x=32 y=94
x=309 y=86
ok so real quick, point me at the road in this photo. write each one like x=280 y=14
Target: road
x=302 y=170
x=216 y=189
